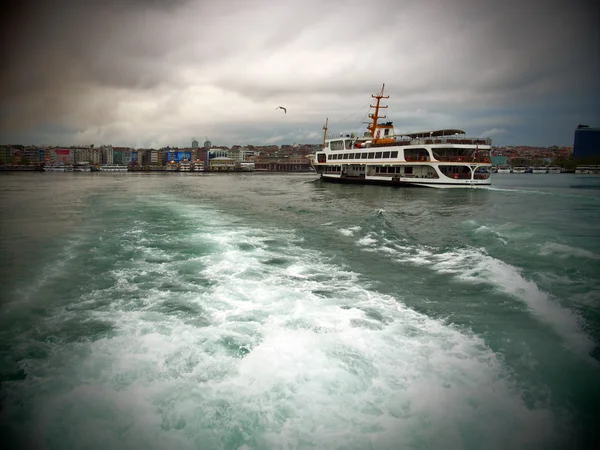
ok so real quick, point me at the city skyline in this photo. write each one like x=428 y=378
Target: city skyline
x=155 y=74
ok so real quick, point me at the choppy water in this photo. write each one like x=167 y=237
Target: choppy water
x=276 y=311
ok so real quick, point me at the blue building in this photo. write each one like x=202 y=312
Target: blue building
x=587 y=142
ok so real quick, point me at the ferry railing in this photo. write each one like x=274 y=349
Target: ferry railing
x=465 y=140
x=451 y=140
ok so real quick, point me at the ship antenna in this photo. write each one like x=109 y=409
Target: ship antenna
x=376 y=115
x=325 y=132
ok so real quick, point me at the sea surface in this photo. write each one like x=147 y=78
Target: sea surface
x=273 y=311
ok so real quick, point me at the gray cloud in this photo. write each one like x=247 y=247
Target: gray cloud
x=137 y=72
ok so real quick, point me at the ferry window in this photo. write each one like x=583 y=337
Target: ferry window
x=386 y=154
x=378 y=155
x=329 y=157
x=415 y=154
x=386 y=132
x=346 y=156
x=371 y=155
x=408 y=170
x=337 y=145
x=364 y=156
x=348 y=144
x=394 y=154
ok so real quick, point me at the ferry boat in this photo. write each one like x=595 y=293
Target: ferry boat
x=113 y=168
x=504 y=169
x=81 y=167
x=54 y=168
x=554 y=169
x=185 y=166
x=587 y=169
x=437 y=158
x=519 y=169
x=540 y=170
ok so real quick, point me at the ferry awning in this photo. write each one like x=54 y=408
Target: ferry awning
x=434 y=133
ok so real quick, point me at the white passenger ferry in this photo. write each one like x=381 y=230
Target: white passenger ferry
x=113 y=168
x=54 y=168
x=185 y=166
x=438 y=158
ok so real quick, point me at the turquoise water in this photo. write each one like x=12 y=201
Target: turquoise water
x=264 y=311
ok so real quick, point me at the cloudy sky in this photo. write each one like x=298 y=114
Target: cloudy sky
x=161 y=72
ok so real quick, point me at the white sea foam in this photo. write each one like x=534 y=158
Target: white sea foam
x=483 y=229
x=566 y=251
x=476 y=266
x=293 y=352
x=367 y=240
x=349 y=231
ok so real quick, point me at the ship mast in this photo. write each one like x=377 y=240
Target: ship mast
x=372 y=127
x=325 y=132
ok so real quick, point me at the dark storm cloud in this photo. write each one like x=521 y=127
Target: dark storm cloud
x=55 y=52
x=161 y=69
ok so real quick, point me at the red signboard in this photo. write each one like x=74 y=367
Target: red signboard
x=62 y=152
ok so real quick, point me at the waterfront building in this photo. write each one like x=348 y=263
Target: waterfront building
x=30 y=156
x=222 y=163
x=95 y=156
x=200 y=158
x=152 y=157
x=586 y=142
x=107 y=155
x=10 y=154
x=63 y=156
x=207 y=144
x=82 y=155
x=292 y=164
x=218 y=153
x=194 y=143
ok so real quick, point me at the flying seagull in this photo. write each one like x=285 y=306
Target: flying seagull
x=281 y=107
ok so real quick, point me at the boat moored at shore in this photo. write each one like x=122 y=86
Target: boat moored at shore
x=437 y=158
x=113 y=168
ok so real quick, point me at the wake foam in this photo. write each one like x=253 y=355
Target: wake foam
x=474 y=265
x=241 y=338
x=565 y=251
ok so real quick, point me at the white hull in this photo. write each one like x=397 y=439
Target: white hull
x=409 y=181
x=113 y=168
x=503 y=170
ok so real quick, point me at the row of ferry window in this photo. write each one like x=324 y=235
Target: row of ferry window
x=370 y=155
x=378 y=169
